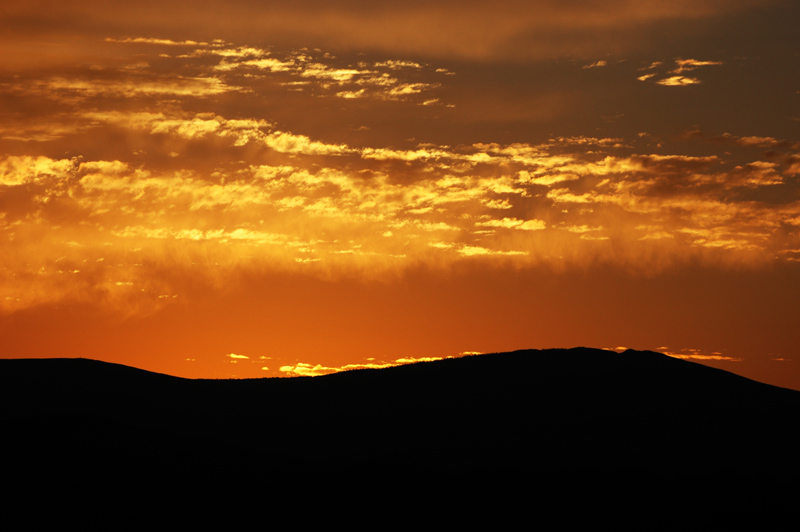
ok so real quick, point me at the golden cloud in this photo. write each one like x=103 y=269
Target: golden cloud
x=305 y=369
x=186 y=183
x=678 y=81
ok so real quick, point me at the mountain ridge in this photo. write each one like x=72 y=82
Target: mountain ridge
x=8 y=364
x=566 y=411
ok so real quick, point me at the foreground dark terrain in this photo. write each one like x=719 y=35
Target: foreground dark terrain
x=553 y=414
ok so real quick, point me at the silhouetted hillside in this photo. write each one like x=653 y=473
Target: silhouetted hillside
x=584 y=412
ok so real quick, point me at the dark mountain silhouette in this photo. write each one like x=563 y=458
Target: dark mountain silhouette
x=552 y=414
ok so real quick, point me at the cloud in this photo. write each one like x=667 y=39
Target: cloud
x=756 y=174
x=41 y=129
x=162 y=163
x=596 y=64
x=582 y=229
x=414 y=360
x=331 y=217
x=150 y=40
x=514 y=223
x=59 y=87
x=657 y=235
x=687 y=65
x=756 y=142
x=698 y=354
x=678 y=81
x=480 y=251
x=324 y=75
x=513 y=29
x=240 y=131
x=398 y=64
x=304 y=369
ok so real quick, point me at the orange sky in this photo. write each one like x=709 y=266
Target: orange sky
x=249 y=189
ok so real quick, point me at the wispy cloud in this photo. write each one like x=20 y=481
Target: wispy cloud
x=303 y=369
x=678 y=81
x=150 y=40
x=235 y=187
x=699 y=354
x=675 y=77
x=596 y=64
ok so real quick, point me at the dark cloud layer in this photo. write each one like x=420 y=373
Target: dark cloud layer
x=507 y=29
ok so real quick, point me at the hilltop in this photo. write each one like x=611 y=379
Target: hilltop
x=581 y=411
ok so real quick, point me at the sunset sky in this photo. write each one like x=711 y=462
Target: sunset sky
x=247 y=188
